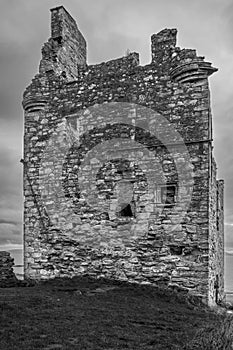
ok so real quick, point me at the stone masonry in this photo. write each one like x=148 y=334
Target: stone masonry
x=7 y=276
x=119 y=174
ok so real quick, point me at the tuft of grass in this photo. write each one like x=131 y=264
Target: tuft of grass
x=218 y=336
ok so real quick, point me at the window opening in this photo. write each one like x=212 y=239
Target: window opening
x=168 y=195
x=126 y=211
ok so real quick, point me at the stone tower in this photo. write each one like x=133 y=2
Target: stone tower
x=119 y=174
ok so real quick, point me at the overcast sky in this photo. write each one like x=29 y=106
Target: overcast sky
x=110 y=28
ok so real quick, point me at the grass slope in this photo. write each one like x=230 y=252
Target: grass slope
x=96 y=314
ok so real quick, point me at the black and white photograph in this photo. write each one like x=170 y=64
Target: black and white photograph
x=116 y=167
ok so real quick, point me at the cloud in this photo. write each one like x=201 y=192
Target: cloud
x=228 y=236
x=10 y=234
x=5 y=221
x=12 y=246
x=229 y=252
x=11 y=200
x=228 y=16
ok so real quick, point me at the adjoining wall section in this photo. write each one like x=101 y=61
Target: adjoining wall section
x=7 y=276
x=220 y=233
x=216 y=237
x=101 y=218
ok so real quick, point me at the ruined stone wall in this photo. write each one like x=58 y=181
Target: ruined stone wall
x=100 y=154
x=7 y=276
x=216 y=237
x=220 y=238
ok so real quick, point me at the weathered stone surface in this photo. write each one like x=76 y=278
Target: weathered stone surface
x=7 y=276
x=92 y=205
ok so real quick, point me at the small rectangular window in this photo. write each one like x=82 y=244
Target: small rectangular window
x=166 y=195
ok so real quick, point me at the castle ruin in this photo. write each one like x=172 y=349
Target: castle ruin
x=119 y=174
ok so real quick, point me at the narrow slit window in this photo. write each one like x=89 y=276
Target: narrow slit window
x=217 y=223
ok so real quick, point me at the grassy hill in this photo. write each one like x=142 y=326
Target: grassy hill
x=87 y=314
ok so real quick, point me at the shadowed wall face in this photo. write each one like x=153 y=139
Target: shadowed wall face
x=117 y=162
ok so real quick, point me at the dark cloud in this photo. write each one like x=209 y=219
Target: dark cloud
x=2 y=221
x=110 y=27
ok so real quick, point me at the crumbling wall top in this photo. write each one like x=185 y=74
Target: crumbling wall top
x=66 y=50
x=162 y=44
x=62 y=23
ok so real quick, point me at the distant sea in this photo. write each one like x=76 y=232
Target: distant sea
x=17 y=254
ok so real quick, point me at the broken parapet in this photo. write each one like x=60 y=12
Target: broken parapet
x=7 y=276
x=162 y=45
x=184 y=65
